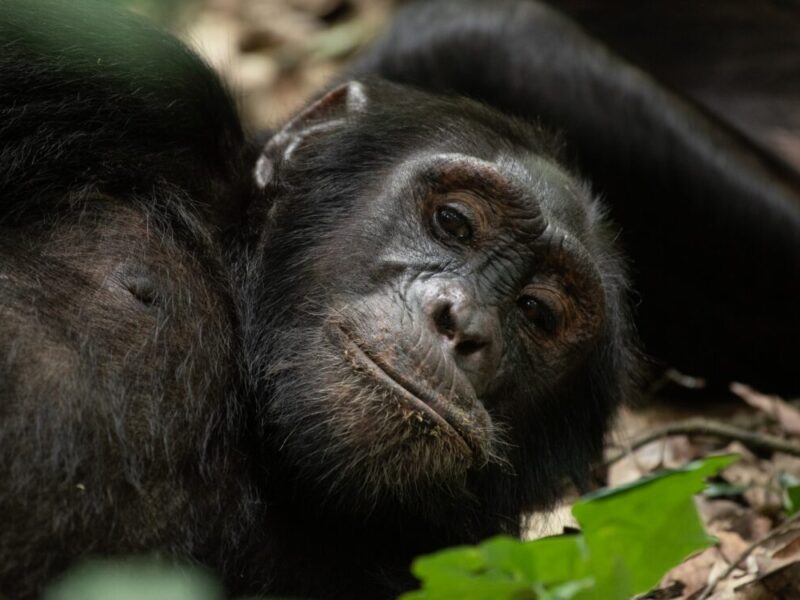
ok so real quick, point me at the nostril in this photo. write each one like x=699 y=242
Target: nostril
x=450 y=322
x=468 y=347
x=443 y=318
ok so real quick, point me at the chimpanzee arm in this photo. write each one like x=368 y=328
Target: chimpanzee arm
x=712 y=225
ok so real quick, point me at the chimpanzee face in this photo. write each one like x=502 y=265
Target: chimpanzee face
x=437 y=323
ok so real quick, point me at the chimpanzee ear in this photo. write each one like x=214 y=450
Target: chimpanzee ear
x=324 y=114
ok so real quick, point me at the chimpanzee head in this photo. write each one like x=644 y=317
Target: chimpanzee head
x=436 y=320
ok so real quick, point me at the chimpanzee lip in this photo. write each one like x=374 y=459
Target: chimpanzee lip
x=417 y=397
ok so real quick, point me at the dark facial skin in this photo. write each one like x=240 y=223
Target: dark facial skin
x=439 y=333
x=472 y=287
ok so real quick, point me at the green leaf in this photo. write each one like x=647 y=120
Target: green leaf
x=631 y=536
x=792 y=499
x=791 y=492
x=724 y=490
x=134 y=579
x=547 y=560
x=503 y=567
x=637 y=532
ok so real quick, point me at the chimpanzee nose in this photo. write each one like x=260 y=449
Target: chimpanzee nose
x=468 y=331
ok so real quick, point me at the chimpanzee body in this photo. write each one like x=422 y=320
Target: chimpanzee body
x=400 y=324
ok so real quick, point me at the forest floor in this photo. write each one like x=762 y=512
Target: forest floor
x=748 y=508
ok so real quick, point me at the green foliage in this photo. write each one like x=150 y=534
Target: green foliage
x=723 y=489
x=135 y=579
x=791 y=493
x=630 y=537
x=163 y=11
x=550 y=568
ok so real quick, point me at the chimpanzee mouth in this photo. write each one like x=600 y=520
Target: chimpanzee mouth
x=416 y=396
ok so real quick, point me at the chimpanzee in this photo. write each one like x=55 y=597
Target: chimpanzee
x=400 y=324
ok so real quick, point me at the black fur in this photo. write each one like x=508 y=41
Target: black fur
x=185 y=316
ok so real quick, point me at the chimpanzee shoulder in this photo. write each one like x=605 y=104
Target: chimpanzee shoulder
x=121 y=153
x=149 y=109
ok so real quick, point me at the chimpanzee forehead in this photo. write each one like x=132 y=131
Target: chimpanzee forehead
x=402 y=116
x=563 y=199
x=530 y=186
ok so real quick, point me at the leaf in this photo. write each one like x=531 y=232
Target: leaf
x=503 y=567
x=787 y=416
x=637 y=532
x=791 y=492
x=134 y=579
x=547 y=560
x=631 y=536
x=724 y=490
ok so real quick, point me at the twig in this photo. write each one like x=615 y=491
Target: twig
x=698 y=426
x=779 y=530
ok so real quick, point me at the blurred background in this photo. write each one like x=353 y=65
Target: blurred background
x=273 y=53
x=740 y=59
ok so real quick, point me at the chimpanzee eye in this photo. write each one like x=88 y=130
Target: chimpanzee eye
x=538 y=313
x=452 y=223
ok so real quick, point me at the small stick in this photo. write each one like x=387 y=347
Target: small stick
x=699 y=426
x=779 y=530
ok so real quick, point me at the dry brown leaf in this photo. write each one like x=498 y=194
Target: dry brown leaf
x=646 y=459
x=667 y=453
x=789 y=550
x=781 y=583
x=724 y=587
x=786 y=463
x=786 y=415
x=731 y=545
x=766 y=500
x=693 y=573
x=673 y=591
x=762 y=493
x=680 y=450
x=724 y=515
x=746 y=455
